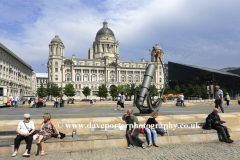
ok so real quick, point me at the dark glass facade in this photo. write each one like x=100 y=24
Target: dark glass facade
x=185 y=74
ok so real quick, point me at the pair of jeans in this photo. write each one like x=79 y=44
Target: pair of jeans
x=27 y=139
x=223 y=130
x=219 y=103
x=182 y=103
x=149 y=135
x=16 y=103
x=135 y=136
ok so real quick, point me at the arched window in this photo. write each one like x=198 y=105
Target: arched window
x=93 y=78
x=112 y=79
x=130 y=79
x=137 y=79
x=85 y=78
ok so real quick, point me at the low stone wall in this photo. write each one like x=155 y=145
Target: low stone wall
x=103 y=141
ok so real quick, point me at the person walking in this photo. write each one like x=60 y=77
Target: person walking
x=219 y=98
x=16 y=101
x=118 y=98
x=11 y=100
x=56 y=102
x=122 y=100
x=182 y=99
x=227 y=99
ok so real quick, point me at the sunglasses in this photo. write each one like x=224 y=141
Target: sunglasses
x=28 y=118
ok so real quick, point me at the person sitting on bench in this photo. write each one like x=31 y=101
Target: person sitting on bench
x=150 y=128
x=213 y=120
x=25 y=131
x=46 y=131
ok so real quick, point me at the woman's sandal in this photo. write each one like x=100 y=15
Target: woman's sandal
x=149 y=145
x=14 y=154
x=156 y=145
x=42 y=153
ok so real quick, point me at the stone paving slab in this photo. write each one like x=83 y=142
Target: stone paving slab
x=190 y=151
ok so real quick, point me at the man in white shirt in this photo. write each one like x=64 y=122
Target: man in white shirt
x=182 y=100
x=118 y=100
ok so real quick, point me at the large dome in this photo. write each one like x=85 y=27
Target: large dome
x=56 y=39
x=105 y=30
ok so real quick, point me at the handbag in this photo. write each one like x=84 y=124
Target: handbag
x=141 y=130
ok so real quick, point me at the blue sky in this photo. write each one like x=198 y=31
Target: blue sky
x=196 y=32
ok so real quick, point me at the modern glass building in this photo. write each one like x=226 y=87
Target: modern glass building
x=185 y=74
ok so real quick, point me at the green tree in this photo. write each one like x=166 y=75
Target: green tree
x=198 y=90
x=69 y=90
x=48 y=89
x=191 y=90
x=177 y=89
x=113 y=92
x=55 y=90
x=132 y=90
x=121 y=88
x=41 y=91
x=138 y=89
x=127 y=90
x=224 y=91
x=153 y=89
x=168 y=90
x=102 y=91
x=204 y=94
x=183 y=89
x=86 y=91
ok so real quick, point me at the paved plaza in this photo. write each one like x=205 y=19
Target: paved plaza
x=88 y=112
x=190 y=151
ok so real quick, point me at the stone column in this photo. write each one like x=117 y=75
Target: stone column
x=50 y=52
x=100 y=48
x=96 y=49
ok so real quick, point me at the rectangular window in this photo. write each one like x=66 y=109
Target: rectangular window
x=160 y=73
x=56 y=63
x=85 y=63
x=56 y=69
x=50 y=77
x=56 y=77
x=85 y=71
x=100 y=77
x=143 y=66
x=93 y=78
x=123 y=79
x=77 y=62
x=137 y=73
x=85 y=78
x=78 y=93
x=79 y=85
x=130 y=72
x=123 y=72
x=68 y=78
x=75 y=85
x=136 y=66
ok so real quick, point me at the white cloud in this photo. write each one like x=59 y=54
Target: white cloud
x=192 y=32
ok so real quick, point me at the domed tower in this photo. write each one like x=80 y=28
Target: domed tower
x=157 y=48
x=56 y=55
x=105 y=44
x=56 y=47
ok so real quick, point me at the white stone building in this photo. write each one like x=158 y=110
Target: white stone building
x=15 y=74
x=103 y=65
x=41 y=78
